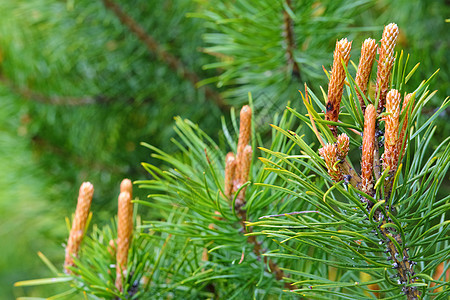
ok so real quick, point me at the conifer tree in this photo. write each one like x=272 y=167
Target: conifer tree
x=301 y=220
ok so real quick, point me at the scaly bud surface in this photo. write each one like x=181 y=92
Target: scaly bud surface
x=244 y=129
x=230 y=167
x=126 y=186
x=368 y=52
x=390 y=157
x=385 y=62
x=124 y=231
x=336 y=84
x=343 y=145
x=329 y=154
x=243 y=171
x=367 y=149
x=79 y=222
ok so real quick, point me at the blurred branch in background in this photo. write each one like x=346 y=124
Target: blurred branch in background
x=174 y=63
x=53 y=100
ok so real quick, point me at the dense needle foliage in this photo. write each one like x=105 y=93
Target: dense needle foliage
x=71 y=68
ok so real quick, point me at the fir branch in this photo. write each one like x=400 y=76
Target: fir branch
x=154 y=47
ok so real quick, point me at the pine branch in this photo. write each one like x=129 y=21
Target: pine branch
x=49 y=147
x=401 y=262
x=31 y=95
x=382 y=209
x=290 y=41
x=259 y=251
x=239 y=176
x=154 y=47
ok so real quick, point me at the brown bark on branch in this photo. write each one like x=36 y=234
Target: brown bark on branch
x=290 y=41
x=152 y=45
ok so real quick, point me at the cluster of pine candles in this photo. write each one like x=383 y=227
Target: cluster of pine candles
x=124 y=229
x=388 y=107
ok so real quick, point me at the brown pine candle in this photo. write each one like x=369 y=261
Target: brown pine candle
x=79 y=222
x=124 y=232
x=367 y=149
x=329 y=154
x=368 y=52
x=336 y=84
x=230 y=167
x=385 y=62
x=390 y=156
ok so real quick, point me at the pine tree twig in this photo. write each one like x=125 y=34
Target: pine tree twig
x=329 y=154
x=259 y=251
x=290 y=41
x=350 y=174
x=237 y=170
x=244 y=130
x=154 y=47
x=400 y=261
x=376 y=160
x=47 y=146
x=31 y=95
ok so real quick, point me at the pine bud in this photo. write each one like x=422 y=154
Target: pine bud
x=368 y=52
x=124 y=232
x=385 y=62
x=79 y=222
x=244 y=165
x=244 y=129
x=230 y=167
x=329 y=154
x=126 y=186
x=243 y=171
x=336 y=84
x=367 y=149
x=408 y=104
x=343 y=145
x=390 y=157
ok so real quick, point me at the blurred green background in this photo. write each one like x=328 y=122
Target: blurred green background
x=79 y=90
